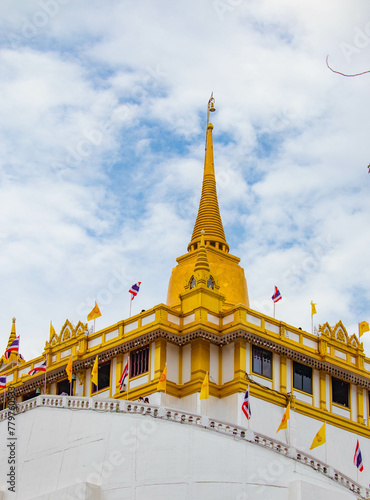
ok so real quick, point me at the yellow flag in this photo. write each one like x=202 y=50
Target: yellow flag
x=313 y=308
x=363 y=327
x=94 y=372
x=320 y=438
x=284 y=420
x=161 y=386
x=204 y=392
x=69 y=369
x=94 y=313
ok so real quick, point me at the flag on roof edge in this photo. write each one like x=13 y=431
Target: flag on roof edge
x=277 y=295
x=2 y=381
x=41 y=367
x=94 y=313
x=134 y=290
x=363 y=327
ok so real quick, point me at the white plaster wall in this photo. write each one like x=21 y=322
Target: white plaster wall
x=151 y=360
x=353 y=401
x=213 y=363
x=289 y=375
x=186 y=363
x=148 y=319
x=227 y=363
x=316 y=387
x=113 y=376
x=276 y=365
x=262 y=381
x=137 y=382
x=111 y=335
x=138 y=457
x=248 y=368
x=328 y=392
x=173 y=362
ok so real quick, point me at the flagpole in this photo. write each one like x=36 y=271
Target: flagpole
x=311 y=320
x=128 y=374
x=130 y=308
x=45 y=377
x=19 y=345
x=274 y=309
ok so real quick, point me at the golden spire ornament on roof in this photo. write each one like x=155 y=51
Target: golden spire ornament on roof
x=226 y=271
x=209 y=217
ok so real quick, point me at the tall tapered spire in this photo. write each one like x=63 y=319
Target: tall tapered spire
x=208 y=251
x=209 y=217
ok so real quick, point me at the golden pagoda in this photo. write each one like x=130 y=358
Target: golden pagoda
x=231 y=279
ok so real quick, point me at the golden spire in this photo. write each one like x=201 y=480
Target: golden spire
x=209 y=217
x=12 y=335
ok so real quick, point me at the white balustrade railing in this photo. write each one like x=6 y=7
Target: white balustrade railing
x=184 y=417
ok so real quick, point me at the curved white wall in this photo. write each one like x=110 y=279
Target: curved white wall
x=63 y=453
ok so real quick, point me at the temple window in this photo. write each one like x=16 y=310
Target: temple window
x=29 y=395
x=262 y=362
x=210 y=283
x=340 y=392
x=139 y=361
x=103 y=378
x=302 y=377
x=193 y=282
x=64 y=387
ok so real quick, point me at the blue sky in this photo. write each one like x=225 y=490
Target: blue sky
x=102 y=142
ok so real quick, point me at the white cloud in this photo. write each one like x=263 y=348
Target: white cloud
x=102 y=144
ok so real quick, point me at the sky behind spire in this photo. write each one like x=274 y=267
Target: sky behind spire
x=102 y=150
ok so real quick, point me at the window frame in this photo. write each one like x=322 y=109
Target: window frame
x=139 y=366
x=101 y=376
x=268 y=354
x=335 y=380
x=304 y=368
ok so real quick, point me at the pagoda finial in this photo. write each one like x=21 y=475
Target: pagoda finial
x=202 y=263
x=209 y=217
x=12 y=335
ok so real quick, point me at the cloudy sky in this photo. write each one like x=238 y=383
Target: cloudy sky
x=103 y=111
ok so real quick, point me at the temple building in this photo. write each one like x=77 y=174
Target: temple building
x=177 y=445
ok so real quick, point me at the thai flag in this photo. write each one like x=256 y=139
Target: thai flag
x=277 y=295
x=246 y=405
x=134 y=290
x=14 y=346
x=357 y=459
x=41 y=367
x=3 y=382
x=123 y=376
